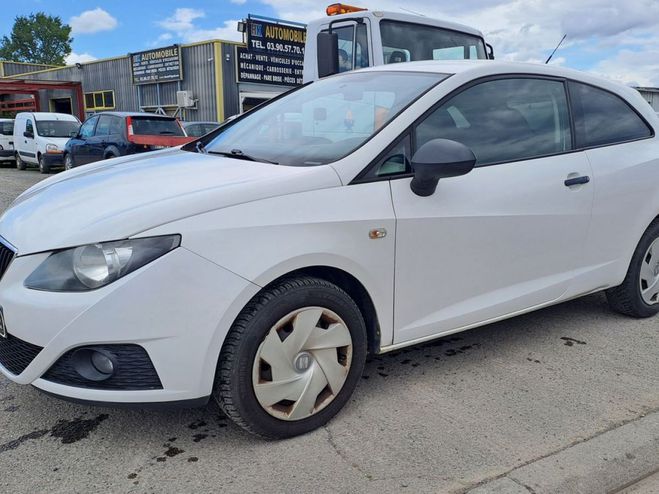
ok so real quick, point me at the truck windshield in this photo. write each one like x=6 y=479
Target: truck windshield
x=57 y=128
x=407 y=42
x=324 y=121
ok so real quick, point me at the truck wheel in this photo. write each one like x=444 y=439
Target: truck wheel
x=638 y=295
x=292 y=358
x=43 y=167
x=20 y=164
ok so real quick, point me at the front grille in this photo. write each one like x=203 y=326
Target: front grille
x=134 y=370
x=16 y=354
x=6 y=256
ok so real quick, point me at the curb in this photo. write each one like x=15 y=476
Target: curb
x=608 y=462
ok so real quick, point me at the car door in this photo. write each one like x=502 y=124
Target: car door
x=28 y=149
x=80 y=147
x=509 y=235
x=623 y=152
x=99 y=141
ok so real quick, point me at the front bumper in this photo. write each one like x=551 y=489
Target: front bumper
x=53 y=159
x=178 y=308
x=7 y=154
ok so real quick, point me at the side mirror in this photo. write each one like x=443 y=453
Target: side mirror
x=327 y=54
x=29 y=135
x=490 y=51
x=439 y=158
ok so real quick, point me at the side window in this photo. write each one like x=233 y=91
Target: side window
x=353 y=47
x=103 y=126
x=503 y=120
x=87 y=129
x=29 y=127
x=346 y=36
x=396 y=160
x=602 y=118
x=116 y=127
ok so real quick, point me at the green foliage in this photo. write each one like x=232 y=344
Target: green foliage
x=37 y=38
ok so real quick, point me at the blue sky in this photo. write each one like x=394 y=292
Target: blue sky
x=616 y=39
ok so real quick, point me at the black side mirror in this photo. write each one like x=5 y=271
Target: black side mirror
x=327 y=54
x=439 y=158
x=28 y=134
x=490 y=51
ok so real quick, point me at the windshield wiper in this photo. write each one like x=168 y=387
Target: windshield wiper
x=238 y=154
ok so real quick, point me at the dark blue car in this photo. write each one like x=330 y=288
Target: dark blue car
x=114 y=134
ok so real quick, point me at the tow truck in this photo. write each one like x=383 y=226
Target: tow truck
x=354 y=37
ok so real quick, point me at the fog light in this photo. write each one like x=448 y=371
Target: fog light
x=102 y=363
x=93 y=364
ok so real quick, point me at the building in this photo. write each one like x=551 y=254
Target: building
x=651 y=95
x=206 y=81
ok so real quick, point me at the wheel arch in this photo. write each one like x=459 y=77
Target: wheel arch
x=354 y=288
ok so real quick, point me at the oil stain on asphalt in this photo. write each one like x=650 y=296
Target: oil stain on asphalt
x=68 y=431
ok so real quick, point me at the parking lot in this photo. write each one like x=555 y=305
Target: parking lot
x=508 y=403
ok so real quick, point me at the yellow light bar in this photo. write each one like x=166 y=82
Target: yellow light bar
x=342 y=8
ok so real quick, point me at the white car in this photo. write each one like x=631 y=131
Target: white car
x=6 y=139
x=359 y=214
x=40 y=137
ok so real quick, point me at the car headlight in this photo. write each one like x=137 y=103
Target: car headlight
x=52 y=148
x=93 y=266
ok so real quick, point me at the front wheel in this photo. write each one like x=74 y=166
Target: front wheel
x=638 y=295
x=43 y=166
x=20 y=164
x=292 y=358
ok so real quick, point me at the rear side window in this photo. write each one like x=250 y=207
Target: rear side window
x=156 y=126
x=602 y=118
x=116 y=125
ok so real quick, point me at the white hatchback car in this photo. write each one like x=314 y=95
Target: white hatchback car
x=362 y=213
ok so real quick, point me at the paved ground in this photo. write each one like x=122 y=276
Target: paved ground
x=570 y=388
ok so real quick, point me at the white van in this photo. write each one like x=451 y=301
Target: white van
x=39 y=138
x=6 y=139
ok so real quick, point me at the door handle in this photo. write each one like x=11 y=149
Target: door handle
x=577 y=181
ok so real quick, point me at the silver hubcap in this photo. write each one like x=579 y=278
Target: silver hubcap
x=302 y=363
x=649 y=278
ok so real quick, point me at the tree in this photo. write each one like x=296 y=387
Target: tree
x=37 y=38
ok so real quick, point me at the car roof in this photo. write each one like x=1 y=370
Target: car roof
x=132 y=114
x=43 y=115
x=474 y=69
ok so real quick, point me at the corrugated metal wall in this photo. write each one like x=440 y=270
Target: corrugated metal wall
x=115 y=74
x=12 y=68
x=651 y=97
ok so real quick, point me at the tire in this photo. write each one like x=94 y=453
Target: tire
x=637 y=295
x=242 y=369
x=68 y=161
x=43 y=167
x=20 y=164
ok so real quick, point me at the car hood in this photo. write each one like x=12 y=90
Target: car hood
x=122 y=197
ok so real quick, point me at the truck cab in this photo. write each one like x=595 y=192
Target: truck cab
x=353 y=37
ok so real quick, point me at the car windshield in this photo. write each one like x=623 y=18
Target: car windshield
x=407 y=42
x=324 y=121
x=7 y=128
x=156 y=126
x=57 y=128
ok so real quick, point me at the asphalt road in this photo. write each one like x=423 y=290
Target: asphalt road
x=440 y=417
